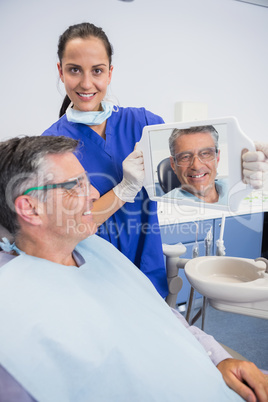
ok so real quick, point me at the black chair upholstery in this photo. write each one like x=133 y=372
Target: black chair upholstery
x=166 y=177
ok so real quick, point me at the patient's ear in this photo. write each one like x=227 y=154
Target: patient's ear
x=172 y=164
x=27 y=209
x=218 y=156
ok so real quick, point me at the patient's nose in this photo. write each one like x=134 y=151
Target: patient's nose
x=196 y=163
x=94 y=193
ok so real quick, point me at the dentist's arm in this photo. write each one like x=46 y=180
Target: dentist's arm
x=255 y=167
x=106 y=206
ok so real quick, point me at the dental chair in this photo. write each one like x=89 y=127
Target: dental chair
x=166 y=177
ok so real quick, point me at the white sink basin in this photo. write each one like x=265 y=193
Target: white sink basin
x=229 y=279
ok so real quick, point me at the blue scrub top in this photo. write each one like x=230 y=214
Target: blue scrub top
x=134 y=229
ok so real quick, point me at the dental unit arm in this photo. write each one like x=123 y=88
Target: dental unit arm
x=220 y=248
x=208 y=242
x=173 y=263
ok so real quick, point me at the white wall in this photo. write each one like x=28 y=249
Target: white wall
x=212 y=51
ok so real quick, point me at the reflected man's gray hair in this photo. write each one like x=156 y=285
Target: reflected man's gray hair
x=23 y=164
x=176 y=133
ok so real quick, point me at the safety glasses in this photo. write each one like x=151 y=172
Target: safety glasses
x=204 y=155
x=77 y=186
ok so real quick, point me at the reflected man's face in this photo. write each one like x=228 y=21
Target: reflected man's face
x=199 y=177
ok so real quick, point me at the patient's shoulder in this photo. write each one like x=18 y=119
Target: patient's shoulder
x=11 y=390
x=4 y=258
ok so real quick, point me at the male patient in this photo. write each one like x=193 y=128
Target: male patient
x=79 y=322
x=194 y=159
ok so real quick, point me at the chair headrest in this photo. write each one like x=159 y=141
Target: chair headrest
x=166 y=177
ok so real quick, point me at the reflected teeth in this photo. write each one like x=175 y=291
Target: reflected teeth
x=85 y=95
x=87 y=213
x=200 y=175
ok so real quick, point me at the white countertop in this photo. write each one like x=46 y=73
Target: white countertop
x=170 y=213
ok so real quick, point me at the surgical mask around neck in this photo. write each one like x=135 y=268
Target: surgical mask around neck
x=90 y=118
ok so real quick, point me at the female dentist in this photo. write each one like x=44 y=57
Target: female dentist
x=108 y=135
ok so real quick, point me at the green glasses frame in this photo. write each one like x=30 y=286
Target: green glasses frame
x=68 y=185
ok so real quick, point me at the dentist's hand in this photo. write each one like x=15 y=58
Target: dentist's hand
x=245 y=379
x=133 y=177
x=255 y=167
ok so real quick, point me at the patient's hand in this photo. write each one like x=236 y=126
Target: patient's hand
x=245 y=379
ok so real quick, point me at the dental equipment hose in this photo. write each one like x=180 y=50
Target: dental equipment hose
x=195 y=251
x=220 y=248
x=208 y=242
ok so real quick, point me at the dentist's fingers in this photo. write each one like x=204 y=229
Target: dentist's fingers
x=251 y=156
x=133 y=177
x=255 y=168
x=254 y=179
x=260 y=146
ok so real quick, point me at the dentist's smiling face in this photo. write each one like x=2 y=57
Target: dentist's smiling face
x=199 y=177
x=85 y=72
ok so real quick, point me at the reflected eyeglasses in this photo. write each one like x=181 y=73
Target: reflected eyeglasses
x=77 y=186
x=204 y=155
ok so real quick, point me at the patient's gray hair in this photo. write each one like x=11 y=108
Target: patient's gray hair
x=176 y=133
x=24 y=164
